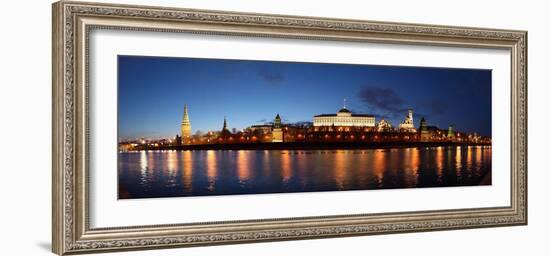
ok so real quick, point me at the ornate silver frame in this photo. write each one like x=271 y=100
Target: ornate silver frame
x=72 y=21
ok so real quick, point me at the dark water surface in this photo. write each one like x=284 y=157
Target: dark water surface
x=150 y=174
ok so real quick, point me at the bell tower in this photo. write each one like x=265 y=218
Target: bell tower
x=408 y=124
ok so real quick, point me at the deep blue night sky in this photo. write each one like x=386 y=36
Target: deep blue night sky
x=153 y=91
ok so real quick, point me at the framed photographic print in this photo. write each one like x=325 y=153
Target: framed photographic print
x=178 y=127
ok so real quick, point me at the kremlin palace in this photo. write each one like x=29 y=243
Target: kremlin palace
x=344 y=117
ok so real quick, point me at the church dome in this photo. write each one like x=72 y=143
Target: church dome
x=344 y=110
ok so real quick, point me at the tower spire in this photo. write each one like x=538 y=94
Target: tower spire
x=185 y=113
x=344 y=103
x=277 y=122
x=185 y=124
x=277 y=131
x=224 y=124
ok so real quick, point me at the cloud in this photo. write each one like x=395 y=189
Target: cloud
x=435 y=106
x=382 y=99
x=386 y=103
x=271 y=76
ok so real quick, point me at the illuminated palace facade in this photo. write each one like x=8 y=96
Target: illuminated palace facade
x=344 y=117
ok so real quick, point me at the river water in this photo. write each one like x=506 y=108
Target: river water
x=153 y=174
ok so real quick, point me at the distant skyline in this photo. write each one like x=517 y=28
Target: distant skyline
x=153 y=90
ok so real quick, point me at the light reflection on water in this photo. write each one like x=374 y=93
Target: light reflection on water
x=211 y=169
x=243 y=165
x=149 y=174
x=187 y=170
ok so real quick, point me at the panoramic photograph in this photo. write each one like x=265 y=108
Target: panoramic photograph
x=214 y=127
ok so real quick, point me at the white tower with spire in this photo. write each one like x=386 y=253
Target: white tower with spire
x=408 y=124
